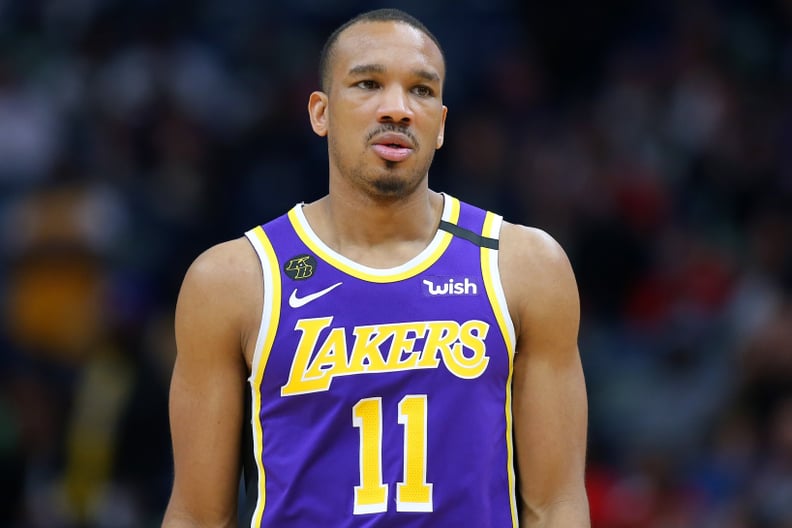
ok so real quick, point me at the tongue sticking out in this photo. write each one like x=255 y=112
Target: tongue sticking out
x=392 y=152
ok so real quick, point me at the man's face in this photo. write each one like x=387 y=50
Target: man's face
x=383 y=113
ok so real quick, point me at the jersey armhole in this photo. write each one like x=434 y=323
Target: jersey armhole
x=492 y=279
x=270 y=311
x=270 y=316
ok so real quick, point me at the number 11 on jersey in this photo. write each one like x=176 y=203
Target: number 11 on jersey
x=413 y=494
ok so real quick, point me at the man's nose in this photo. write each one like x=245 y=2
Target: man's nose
x=395 y=106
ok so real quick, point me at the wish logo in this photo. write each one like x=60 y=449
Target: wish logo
x=446 y=286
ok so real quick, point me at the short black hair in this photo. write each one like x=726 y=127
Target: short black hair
x=377 y=15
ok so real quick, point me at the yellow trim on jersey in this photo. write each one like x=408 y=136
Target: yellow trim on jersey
x=420 y=263
x=491 y=229
x=270 y=316
x=494 y=288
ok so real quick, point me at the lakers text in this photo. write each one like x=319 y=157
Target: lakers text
x=384 y=348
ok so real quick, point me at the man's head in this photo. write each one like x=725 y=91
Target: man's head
x=381 y=106
x=378 y=15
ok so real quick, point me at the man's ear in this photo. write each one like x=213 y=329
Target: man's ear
x=317 y=111
x=441 y=134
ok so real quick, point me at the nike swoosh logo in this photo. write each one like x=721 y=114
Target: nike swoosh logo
x=296 y=302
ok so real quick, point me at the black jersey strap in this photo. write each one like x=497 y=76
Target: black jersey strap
x=470 y=236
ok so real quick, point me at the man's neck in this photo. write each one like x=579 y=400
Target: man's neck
x=379 y=233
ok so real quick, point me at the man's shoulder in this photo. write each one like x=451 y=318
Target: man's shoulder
x=536 y=272
x=225 y=265
x=530 y=244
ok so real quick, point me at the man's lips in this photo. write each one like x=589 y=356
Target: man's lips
x=392 y=152
x=392 y=147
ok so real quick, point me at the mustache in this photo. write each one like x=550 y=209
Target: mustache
x=392 y=127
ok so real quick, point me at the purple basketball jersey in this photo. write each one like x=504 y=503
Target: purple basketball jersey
x=381 y=397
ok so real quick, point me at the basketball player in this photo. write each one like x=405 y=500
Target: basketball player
x=386 y=355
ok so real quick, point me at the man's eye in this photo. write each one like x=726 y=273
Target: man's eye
x=368 y=85
x=422 y=91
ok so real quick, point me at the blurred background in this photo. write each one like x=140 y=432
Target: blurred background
x=652 y=139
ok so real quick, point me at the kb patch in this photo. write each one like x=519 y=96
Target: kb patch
x=300 y=267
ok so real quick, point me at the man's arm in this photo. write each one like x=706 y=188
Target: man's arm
x=549 y=394
x=208 y=383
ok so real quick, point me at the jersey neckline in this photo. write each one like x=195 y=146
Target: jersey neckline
x=412 y=267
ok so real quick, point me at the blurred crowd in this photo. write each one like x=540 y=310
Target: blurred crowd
x=652 y=139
